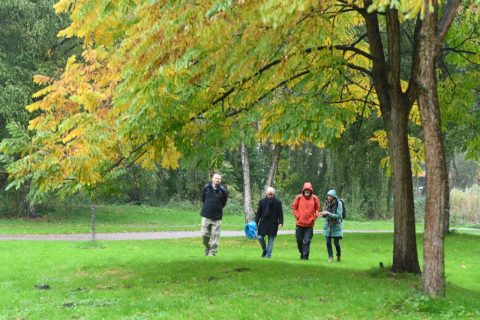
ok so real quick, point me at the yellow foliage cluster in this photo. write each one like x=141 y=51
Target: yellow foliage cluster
x=415 y=147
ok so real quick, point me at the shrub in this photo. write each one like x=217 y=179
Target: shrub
x=465 y=205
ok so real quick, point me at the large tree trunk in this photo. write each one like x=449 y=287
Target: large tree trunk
x=395 y=107
x=247 y=193
x=433 y=279
x=437 y=199
x=405 y=256
x=274 y=167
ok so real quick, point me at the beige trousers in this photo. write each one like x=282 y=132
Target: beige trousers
x=211 y=235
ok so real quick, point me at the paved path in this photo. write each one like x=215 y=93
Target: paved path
x=145 y=235
x=162 y=235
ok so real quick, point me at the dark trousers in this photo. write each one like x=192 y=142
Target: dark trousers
x=336 y=242
x=304 y=237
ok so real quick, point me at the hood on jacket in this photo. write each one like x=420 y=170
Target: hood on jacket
x=332 y=193
x=307 y=186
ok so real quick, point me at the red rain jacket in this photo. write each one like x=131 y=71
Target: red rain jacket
x=305 y=209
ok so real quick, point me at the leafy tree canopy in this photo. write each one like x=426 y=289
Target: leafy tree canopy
x=158 y=80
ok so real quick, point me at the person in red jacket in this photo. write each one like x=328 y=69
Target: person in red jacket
x=306 y=208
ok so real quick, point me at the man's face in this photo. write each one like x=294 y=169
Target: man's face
x=270 y=194
x=216 y=179
x=307 y=193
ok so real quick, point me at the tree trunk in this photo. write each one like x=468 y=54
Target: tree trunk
x=405 y=256
x=274 y=167
x=395 y=107
x=433 y=279
x=247 y=193
x=94 y=221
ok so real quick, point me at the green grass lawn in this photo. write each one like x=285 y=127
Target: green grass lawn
x=141 y=218
x=170 y=279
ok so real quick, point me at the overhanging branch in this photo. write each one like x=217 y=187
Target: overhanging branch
x=280 y=84
x=349 y=47
x=358 y=68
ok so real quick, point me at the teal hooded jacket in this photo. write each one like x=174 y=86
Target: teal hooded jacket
x=333 y=226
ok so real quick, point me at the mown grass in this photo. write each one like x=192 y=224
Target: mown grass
x=170 y=279
x=142 y=218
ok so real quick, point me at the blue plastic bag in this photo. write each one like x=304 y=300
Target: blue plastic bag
x=251 y=230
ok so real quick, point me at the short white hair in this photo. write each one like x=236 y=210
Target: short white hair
x=270 y=189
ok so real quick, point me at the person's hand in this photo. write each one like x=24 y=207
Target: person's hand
x=280 y=225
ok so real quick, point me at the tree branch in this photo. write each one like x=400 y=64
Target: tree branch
x=394 y=51
x=365 y=101
x=122 y=158
x=280 y=84
x=446 y=20
x=275 y=62
x=379 y=70
x=348 y=4
x=459 y=51
x=363 y=110
x=412 y=89
x=466 y=39
x=358 y=68
x=444 y=67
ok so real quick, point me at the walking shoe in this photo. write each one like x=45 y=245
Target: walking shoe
x=330 y=259
x=264 y=254
x=338 y=259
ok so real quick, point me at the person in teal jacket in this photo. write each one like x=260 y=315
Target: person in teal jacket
x=333 y=227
